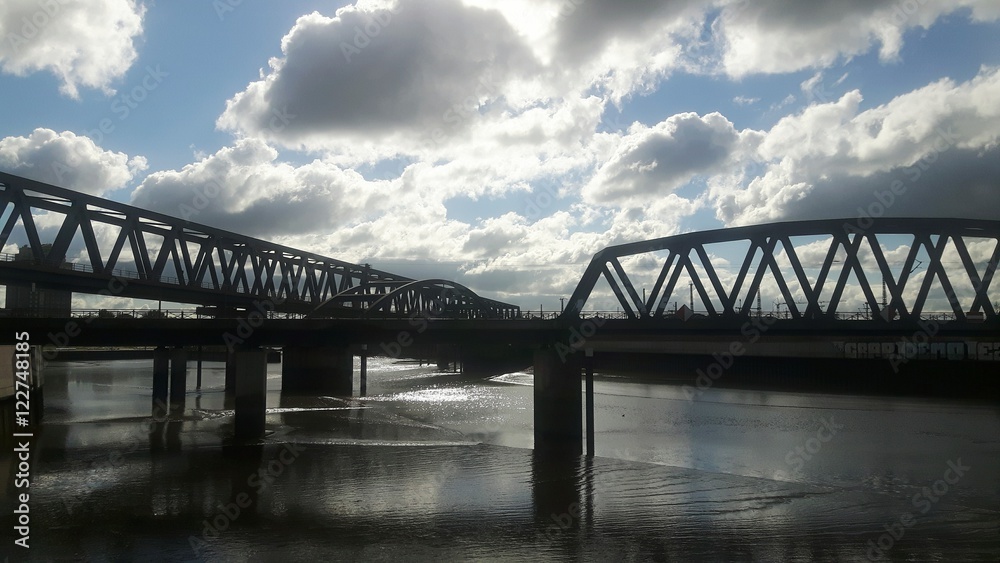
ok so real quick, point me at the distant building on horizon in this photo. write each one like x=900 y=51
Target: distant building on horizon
x=25 y=300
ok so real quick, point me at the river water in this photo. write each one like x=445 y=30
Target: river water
x=433 y=467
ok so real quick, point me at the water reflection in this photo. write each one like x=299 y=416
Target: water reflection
x=420 y=470
x=559 y=502
x=165 y=436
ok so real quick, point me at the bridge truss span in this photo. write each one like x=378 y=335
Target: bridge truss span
x=427 y=299
x=895 y=269
x=73 y=241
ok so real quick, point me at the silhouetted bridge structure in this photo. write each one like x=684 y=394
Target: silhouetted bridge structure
x=923 y=292
x=130 y=252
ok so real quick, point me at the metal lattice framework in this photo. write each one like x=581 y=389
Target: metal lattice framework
x=852 y=258
x=427 y=298
x=163 y=257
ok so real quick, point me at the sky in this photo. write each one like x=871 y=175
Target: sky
x=502 y=143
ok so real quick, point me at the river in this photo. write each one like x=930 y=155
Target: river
x=432 y=467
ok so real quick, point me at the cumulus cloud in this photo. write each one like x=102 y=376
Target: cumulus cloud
x=440 y=79
x=939 y=141
x=781 y=36
x=382 y=74
x=593 y=25
x=245 y=188
x=501 y=99
x=86 y=44
x=69 y=161
x=653 y=161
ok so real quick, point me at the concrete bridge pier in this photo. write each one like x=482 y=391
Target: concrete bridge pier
x=230 y=379
x=558 y=408
x=364 y=370
x=178 y=377
x=249 y=366
x=161 y=374
x=326 y=370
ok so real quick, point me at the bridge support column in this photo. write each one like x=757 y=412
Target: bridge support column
x=230 y=378
x=558 y=409
x=364 y=370
x=198 y=382
x=178 y=377
x=319 y=370
x=161 y=371
x=250 y=375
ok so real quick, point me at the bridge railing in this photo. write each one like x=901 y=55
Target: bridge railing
x=140 y=313
x=945 y=316
x=193 y=314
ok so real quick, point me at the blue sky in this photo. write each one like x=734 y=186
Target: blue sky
x=500 y=143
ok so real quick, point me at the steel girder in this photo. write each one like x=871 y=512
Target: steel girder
x=686 y=253
x=163 y=256
x=433 y=298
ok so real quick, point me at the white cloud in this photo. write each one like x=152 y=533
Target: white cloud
x=940 y=141
x=781 y=36
x=245 y=188
x=378 y=76
x=68 y=161
x=653 y=161
x=497 y=100
x=86 y=44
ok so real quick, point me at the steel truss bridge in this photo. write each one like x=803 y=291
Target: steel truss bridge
x=894 y=267
x=957 y=258
x=131 y=252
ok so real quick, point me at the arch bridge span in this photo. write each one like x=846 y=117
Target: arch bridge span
x=430 y=298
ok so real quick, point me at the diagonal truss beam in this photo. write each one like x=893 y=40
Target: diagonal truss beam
x=847 y=241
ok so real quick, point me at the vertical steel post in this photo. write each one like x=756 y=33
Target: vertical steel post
x=589 y=363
